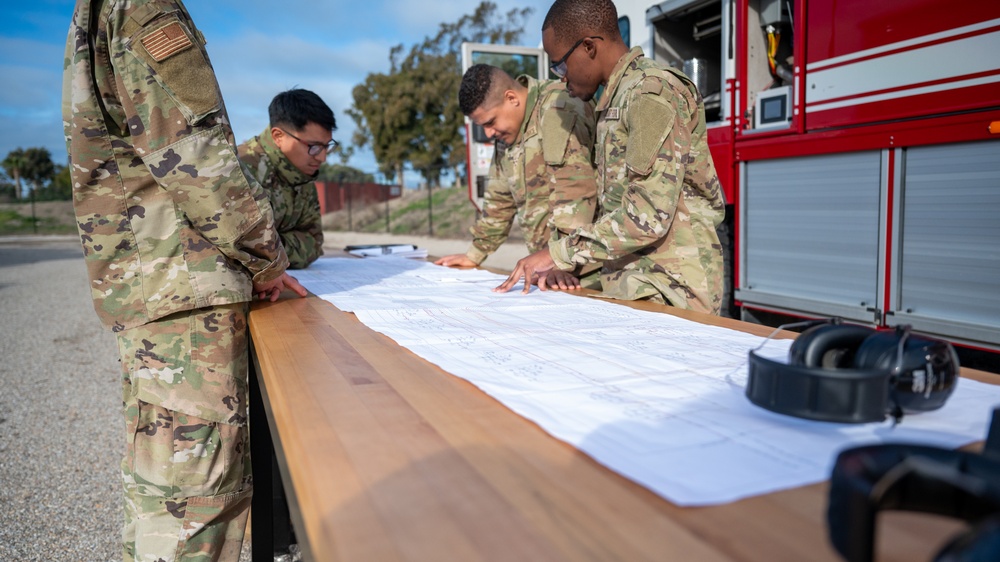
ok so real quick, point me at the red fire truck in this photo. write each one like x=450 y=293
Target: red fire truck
x=858 y=143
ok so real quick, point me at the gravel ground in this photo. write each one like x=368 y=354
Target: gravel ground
x=60 y=429
x=61 y=436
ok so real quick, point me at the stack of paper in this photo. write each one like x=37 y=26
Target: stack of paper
x=387 y=250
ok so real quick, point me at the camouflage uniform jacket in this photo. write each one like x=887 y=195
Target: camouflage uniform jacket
x=293 y=199
x=546 y=178
x=659 y=197
x=168 y=218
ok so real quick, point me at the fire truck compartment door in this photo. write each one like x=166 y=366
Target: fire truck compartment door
x=811 y=233
x=949 y=251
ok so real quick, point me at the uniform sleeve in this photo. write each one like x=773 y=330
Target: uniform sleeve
x=172 y=104
x=653 y=180
x=303 y=242
x=493 y=226
x=569 y=164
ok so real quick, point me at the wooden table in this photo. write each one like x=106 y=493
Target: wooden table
x=385 y=457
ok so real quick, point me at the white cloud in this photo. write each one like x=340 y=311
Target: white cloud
x=421 y=15
x=429 y=15
x=294 y=57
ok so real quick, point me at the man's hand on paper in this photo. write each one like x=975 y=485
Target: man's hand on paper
x=539 y=264
x=557 y=279
x=456 y=260
x=272 y=289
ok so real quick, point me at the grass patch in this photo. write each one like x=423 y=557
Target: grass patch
x=453 y=214
x=12 y=221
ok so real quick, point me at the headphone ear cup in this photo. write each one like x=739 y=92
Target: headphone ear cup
x=927 y=368
x=828 y=346
x=878 y=351
x=981 y=543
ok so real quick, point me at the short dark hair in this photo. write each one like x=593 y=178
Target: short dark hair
x=573 y=19
x=483 y=85
x=475 y=88
x=297 y=108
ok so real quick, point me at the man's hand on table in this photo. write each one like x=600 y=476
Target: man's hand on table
x=272 y=289
x=456 y=260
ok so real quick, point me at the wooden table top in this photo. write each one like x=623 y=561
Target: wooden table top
x=385 y=457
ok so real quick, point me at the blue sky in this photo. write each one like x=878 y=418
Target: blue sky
x=258 y=48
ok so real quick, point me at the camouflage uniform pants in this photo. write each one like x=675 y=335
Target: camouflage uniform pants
x=186 y=469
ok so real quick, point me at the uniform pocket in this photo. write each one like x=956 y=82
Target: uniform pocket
x=193 y=362
x=174 y=455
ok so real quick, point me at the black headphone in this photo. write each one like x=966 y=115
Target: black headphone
x=956 y=484
x=853 y=374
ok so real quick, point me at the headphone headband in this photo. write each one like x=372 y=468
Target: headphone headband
x=847 y=396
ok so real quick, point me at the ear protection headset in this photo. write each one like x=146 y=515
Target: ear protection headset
x=917 y=478
x=853 y=374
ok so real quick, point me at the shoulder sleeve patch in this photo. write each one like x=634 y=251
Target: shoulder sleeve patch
x=556 y=127
x=650 y=120
x=165 y=42
x=179 y=67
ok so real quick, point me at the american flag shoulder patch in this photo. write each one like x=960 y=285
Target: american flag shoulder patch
x=166 y=42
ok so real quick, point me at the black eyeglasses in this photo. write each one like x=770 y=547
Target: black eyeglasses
x=314 y=148
x=559 y=67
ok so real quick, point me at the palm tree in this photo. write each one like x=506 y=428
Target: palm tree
x=13 y=165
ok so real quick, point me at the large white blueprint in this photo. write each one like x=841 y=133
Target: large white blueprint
x=653 y=397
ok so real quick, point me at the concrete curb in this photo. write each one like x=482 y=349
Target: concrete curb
x=22 y=238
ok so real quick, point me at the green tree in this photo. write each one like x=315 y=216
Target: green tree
x=13 y=165
x=34 y=165
x=341 y=173
x=411 y=115
x=6 y=189
x=60 y=188
x=384 y=119
x=344 y=152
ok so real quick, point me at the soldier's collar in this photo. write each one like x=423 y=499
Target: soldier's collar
x=284 y=167
x=615 y=79
x=529 y=105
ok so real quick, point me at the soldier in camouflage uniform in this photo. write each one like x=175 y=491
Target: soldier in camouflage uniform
x=285 y=159
x=177 y=239
x=542 y=171
x=659 y=196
